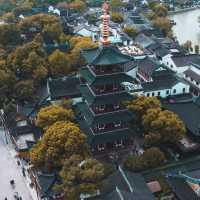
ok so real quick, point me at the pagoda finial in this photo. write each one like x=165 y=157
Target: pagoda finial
x=105 y=19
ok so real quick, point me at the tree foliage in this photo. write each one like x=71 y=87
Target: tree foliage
x=151 y=158
x=9 y=35
x=163 y=23
x=78 y=43
x=28 y=61
x=59 y=142
x=51 y=114
x=131 y=32
x=59 y=63
x=47 y=25
x=163 y=126
x=141 y=104
x=81 y=176
x=117 y=17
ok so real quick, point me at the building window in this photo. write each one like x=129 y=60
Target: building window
x=158 y=93
x=101 y=126
x=118 y=143
x=197 y=83
x=116 y=106
x=117 y=124
x=171 y=66
x=167 y=92
x=101 y=107
x=174 y=91
x=191 y=79
x=152 y=94
x=148 y=94
x=167 y=63
x=115 y=87
x=183 y=90
x=101 y=147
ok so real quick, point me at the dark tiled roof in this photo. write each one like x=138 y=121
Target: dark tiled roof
x=67 y=86
x=167 y=82
x=105 y=55
x=181 y=61
x=182 y=190
x=189 y=112
x=47 y=182
x=136 y=182
x=192 y=75
x=147 y=65
x=143 y=40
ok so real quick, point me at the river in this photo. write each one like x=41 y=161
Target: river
x=187 y=26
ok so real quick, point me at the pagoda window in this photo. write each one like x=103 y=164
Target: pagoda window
x=115 y=87
x=118 y=143
x=116 y=106
x=102 y=88
x=101 y=147
x=101 y=126
x=117 y=124
x=101 y=107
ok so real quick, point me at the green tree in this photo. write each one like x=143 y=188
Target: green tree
x=51 y=114
x=130 y=31
x=163 y=23
x=59 y=63
x=188 y=45
x=78 y=5
x=47 y=25
x=166 y=124
x=116 y=4
x=28 y=62
x=117 y=17
x=196 y=49
x=141 y=104
x=24 y=90
x=9 y=35
x=78 y=43
x=59 y=142
x=151 y=158
x=81 y=177
x=160 y=10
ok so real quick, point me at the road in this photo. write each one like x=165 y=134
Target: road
x=10 y=170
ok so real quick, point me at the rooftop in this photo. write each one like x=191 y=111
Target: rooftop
x=105 y=55
x=185 y=60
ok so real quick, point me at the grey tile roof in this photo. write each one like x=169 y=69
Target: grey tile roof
x=182 y=190
x=143 y=40
x=67 y=86
x=181 y=61
x=166 y=82
x=189 y=113
x=193 y=75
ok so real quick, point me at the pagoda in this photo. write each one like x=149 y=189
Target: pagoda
x=102 y=114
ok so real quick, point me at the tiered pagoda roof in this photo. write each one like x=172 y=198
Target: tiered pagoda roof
x=105 y=55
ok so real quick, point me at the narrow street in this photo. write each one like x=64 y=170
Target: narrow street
x=10 y=170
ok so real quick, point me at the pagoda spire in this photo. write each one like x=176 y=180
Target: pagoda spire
x=105 y=28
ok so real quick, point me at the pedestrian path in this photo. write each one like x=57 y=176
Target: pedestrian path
x=9 y=170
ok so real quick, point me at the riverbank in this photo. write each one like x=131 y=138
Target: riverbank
x=183 y=10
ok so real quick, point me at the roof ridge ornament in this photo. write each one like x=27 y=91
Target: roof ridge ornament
x=105 y=26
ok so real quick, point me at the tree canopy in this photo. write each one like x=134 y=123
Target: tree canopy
x=51 y=114
x=162 y=127
x=59 y=142
x=117 y=17
x=131 y=32
x=81 y=176
x=151 y=158
x=59 y=63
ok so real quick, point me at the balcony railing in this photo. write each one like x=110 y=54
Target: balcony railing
x=109 y=128
x=107 y=70
x=101 y=91
x=108 y=109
